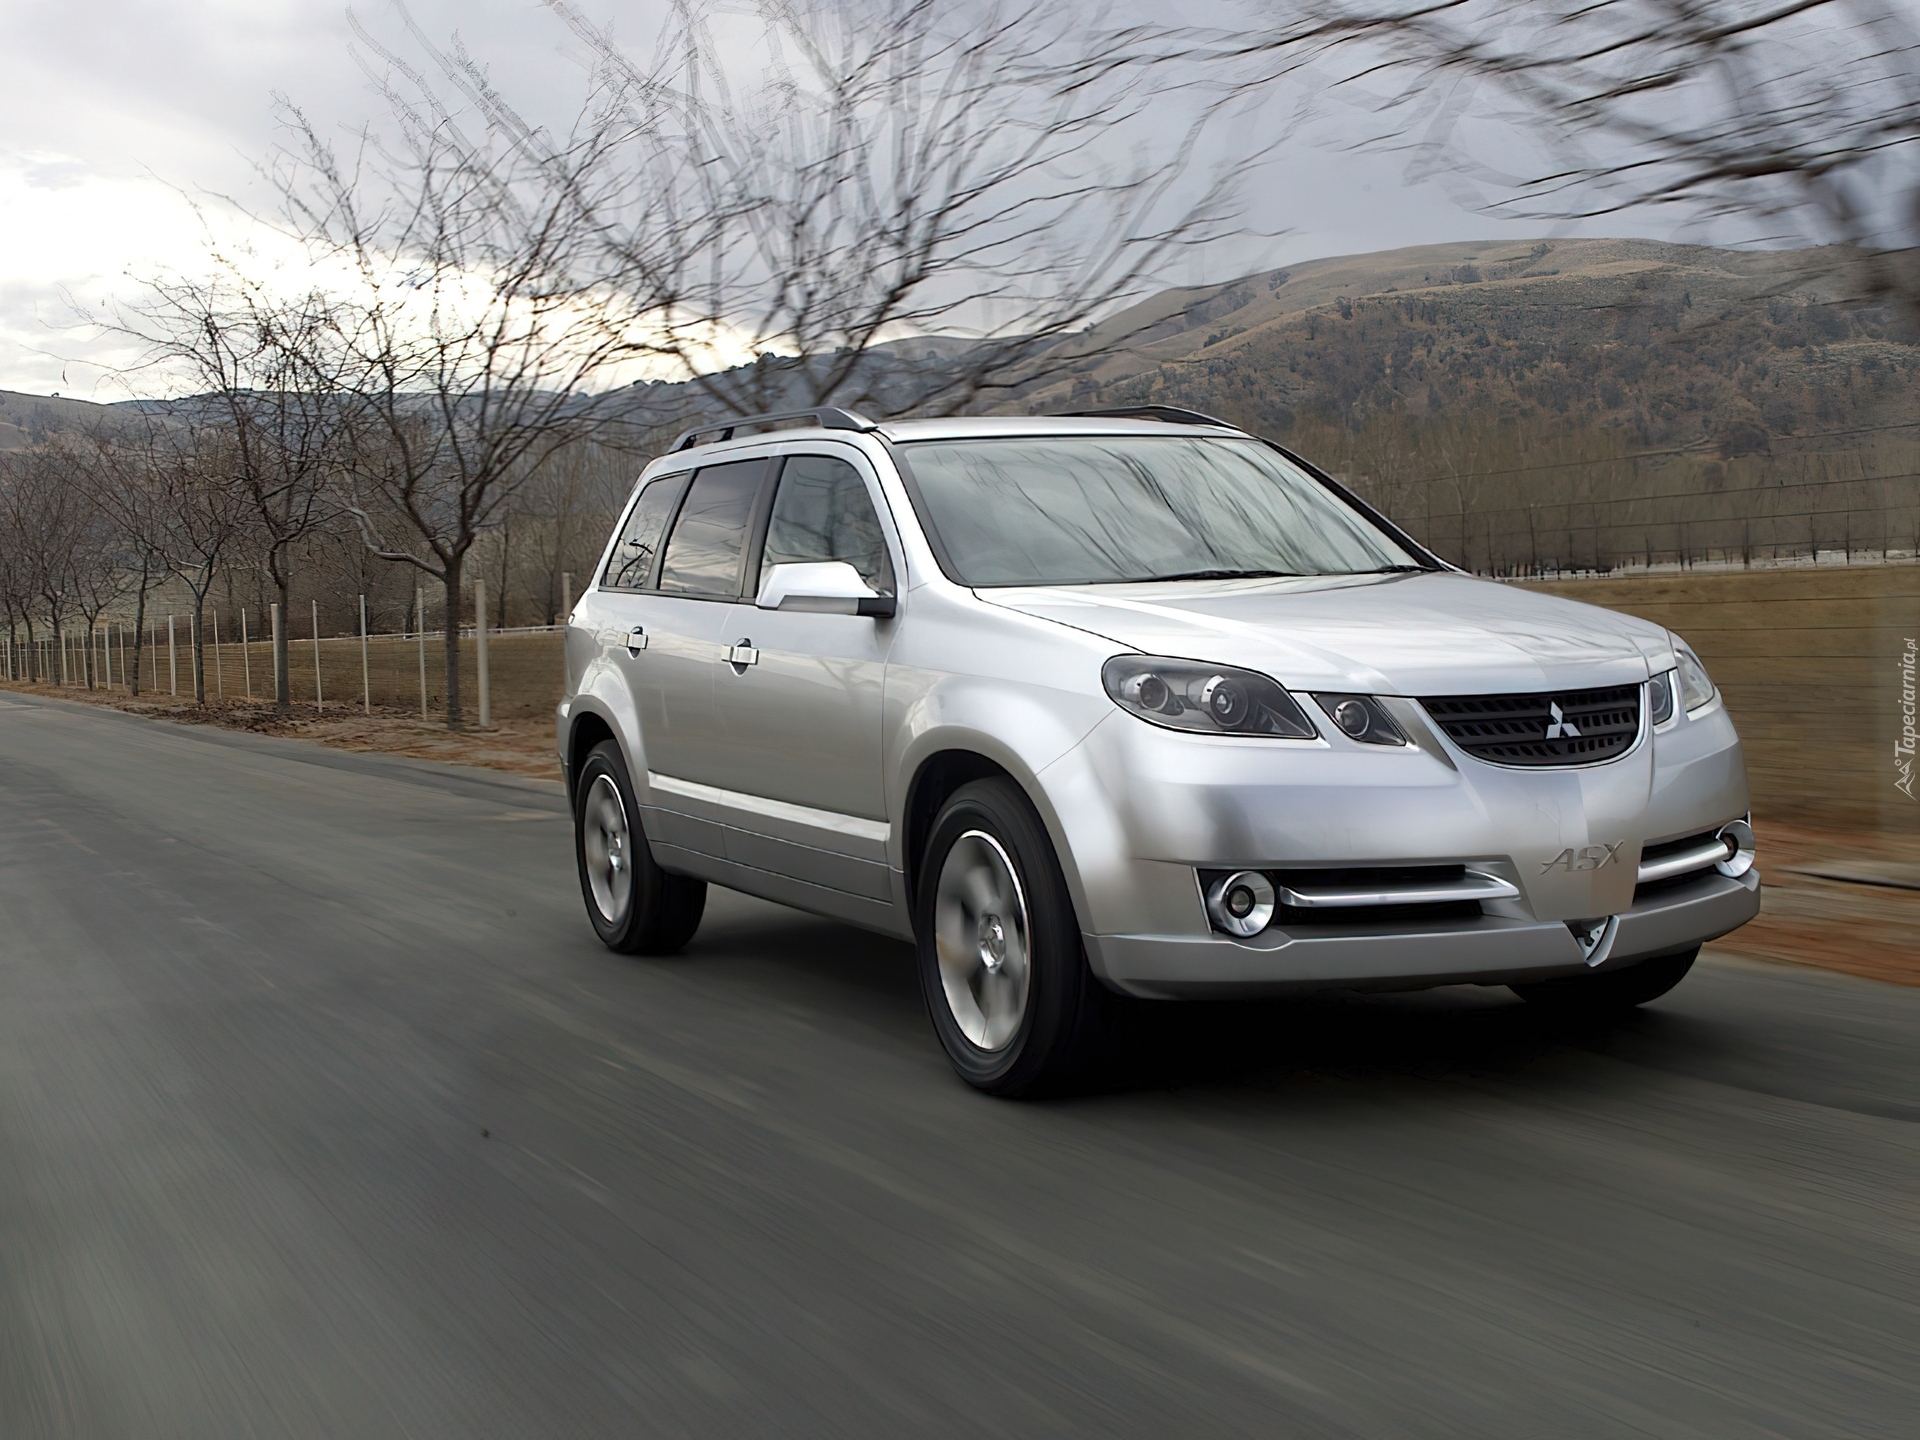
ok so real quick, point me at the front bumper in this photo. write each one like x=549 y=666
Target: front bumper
x=1490 y=950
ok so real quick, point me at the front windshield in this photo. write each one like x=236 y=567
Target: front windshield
x=1099 y=509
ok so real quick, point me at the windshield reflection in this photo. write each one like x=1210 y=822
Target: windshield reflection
x=1087 y=510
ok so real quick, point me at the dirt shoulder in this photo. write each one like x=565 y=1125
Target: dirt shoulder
x=1845 y=900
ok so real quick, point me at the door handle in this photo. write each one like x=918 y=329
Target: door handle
x=636 y=640
x=742 y=655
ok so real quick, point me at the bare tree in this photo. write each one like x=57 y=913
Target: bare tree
x=563 y=513
x=28 y=493
x=1801 y=114
x=47 y=523
x=912 y=215
x=102 y=566
x=255 y=365
x=172 y=488
x=468 y=347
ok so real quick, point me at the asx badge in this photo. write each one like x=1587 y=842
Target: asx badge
x=1587 y=857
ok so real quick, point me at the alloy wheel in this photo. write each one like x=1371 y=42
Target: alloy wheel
x=607 y=841
x=981 y=937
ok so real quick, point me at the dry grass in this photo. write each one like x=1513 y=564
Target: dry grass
x=1862 y=929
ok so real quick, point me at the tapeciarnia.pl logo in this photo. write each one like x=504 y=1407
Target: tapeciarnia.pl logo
x=1903 y=747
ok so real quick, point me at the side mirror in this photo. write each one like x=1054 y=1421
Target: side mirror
x=822 y=587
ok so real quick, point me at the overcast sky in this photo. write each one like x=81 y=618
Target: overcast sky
x=111 y=111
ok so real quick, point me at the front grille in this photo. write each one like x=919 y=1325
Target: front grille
x=1569 y=727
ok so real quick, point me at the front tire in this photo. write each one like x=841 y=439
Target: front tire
x=1001 y=965
x=636 y=907
x=1611 y=991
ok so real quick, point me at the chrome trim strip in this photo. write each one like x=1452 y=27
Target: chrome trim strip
x=1706 y=853
x=1474 y=885
x=830 y=820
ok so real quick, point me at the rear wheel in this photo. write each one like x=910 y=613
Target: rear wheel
x=1001 y=964
x=1610 y=990
x=636 y=907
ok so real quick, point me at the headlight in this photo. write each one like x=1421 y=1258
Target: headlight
x=1695 y=688
x=1660 y=697
x=1362 y=718
x=1211 y=699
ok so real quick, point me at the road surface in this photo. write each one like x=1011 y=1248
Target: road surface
x=323 y=1113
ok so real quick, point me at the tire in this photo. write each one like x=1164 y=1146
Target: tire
x=1611 y=991
x=1014 y=1004
x=636 y=907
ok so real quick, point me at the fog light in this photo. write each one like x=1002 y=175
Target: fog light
x=1241 y=903
x=1740 y=848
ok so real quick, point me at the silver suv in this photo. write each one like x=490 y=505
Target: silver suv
x=1127 y=703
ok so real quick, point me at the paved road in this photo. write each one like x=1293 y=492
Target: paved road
x=322 y=1113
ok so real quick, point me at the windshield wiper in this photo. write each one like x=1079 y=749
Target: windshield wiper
x=1391 y=569
x=1226 y=575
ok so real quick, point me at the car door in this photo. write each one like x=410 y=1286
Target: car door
x=673 y=578
x=799 y=707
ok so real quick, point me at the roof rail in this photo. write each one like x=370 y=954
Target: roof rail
x=1171 y=414
x=827 y=417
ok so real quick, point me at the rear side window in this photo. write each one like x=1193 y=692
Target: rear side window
x=632 y=564
x=708 y=547
x=822 y=512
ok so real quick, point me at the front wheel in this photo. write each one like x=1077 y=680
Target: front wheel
x=1001 y=965
x=1610 y=991
x=636 y=907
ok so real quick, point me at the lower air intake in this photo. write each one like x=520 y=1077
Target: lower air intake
x=1568 y=727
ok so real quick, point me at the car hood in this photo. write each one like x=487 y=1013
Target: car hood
x=1433 y=633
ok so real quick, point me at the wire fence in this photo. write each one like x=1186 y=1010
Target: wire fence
x=511 y=674
x=1809 y=659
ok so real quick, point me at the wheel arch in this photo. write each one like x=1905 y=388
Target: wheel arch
x=587 y=728
x=957 y=762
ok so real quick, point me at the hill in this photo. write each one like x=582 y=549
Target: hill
x=1531 y=405
x=1585 y=401
x=25 y=419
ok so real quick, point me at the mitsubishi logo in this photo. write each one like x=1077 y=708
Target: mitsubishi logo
x=1561 y=726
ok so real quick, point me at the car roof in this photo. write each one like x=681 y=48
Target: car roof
x=954 y=427
x=974 y=427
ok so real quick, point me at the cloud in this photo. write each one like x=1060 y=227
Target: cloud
x=118 y=117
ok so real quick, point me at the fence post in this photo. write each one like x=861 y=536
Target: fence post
x=173 y=662
x=122 y=637
x=420 y=611
x=219 y=670
x=246 y=656
x=65 y=674
x=480 y=649
x=319 y=700
x=366 y=677
x=281 y=685
x=566 y=596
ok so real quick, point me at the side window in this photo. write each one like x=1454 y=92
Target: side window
x=708 y=546
x=631 y=565
x=822 y=512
